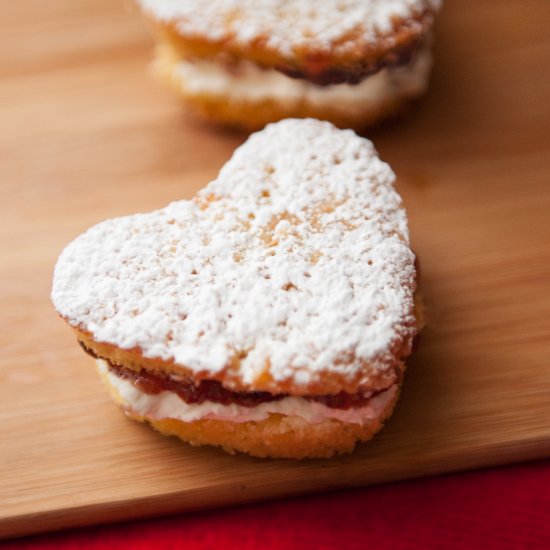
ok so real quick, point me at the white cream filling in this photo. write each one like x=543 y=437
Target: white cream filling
x=167 y=404
x=248 y=82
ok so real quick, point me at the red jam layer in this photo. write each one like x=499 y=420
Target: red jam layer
x=323 y=73
x=193 y=392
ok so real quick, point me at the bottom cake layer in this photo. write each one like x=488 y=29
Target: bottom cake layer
x=290 y=428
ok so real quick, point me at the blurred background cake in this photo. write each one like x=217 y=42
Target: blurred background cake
x=245 y=63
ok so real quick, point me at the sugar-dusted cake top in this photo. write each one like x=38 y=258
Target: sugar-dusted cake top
x=285 y=25
x=292 y=267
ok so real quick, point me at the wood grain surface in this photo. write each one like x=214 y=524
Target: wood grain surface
x=87 y=134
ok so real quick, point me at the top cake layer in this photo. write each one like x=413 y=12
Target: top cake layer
x=328 y=40
x=290 y=273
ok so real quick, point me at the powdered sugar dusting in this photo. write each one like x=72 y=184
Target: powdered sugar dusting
x=286 y=24
x=295 y=259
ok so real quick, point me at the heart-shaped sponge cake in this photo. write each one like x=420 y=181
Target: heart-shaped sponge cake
x=270 y=314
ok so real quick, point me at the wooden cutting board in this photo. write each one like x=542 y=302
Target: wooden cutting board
x=87 y=134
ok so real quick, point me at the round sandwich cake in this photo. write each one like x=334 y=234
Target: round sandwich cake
x=249 y=62
x=270 y=314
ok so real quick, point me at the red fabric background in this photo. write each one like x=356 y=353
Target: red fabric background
x=504 y=508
